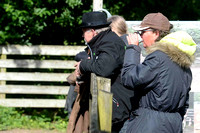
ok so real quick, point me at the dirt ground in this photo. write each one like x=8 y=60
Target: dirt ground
x=30 y=131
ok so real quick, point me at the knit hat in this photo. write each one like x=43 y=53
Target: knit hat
x=154 y=20
x=182 y=40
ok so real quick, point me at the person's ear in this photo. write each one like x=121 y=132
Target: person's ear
x=94 y=32
x=157 y=33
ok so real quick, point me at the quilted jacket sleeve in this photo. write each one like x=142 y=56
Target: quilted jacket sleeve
x=135 y=74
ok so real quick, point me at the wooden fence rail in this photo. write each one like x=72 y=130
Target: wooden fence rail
x=22 y=72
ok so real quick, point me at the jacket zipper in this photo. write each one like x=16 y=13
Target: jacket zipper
x=116 y=102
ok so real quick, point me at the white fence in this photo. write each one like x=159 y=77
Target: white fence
x=20 y=70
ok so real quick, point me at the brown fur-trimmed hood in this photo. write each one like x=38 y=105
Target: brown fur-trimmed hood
x=175 y=54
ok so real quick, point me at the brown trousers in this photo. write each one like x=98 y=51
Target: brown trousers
x=79 y=118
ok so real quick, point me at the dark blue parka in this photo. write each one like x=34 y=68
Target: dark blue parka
x=161 y=84
x=107 y=60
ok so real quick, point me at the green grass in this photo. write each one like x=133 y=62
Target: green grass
x=50 y=119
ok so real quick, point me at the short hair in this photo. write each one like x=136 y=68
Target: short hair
x=101 y=29
x=163 y=33
x=119 y=24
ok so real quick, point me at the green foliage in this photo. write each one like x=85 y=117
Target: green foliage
x=11 y=118
x=136 y=10
x=36 y=21
x=74 y=3
x=57 y=21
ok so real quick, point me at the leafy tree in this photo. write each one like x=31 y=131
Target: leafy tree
x=40 y=22
x=57 y=21
x=137 y=9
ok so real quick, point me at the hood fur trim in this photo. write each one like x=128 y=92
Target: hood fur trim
x=176 y=55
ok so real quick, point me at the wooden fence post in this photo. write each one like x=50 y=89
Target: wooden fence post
x=100 y=104
x=93 y=110
x=104 y=104
x=97 y=5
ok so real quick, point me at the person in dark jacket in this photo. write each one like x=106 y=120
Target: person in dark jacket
x=106 y=50
x=119 y=26
x=162 y=81
x=72 y=78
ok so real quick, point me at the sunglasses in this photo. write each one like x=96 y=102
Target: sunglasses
x=141 y=32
